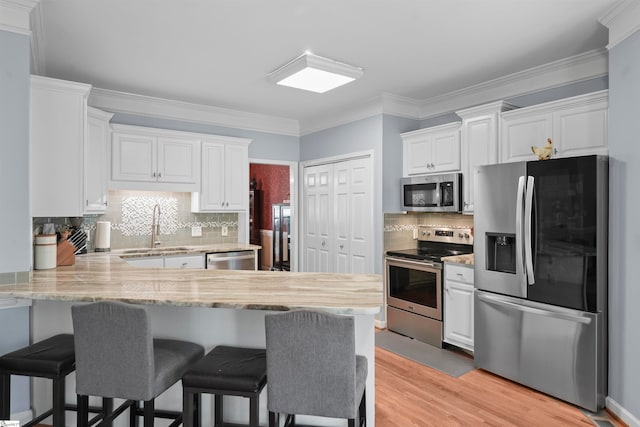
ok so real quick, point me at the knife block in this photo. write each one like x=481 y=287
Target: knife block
x=65 y=253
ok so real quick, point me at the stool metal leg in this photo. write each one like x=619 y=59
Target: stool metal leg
x=254 y=411
x=219 y=415
x=149 y=408
x=5 y=396
x=58 y=401
x=188 y=409
x=133 y=415
x=197 y=401
x=83 y=411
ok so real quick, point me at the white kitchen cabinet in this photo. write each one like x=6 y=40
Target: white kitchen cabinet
x=184 y=261
x=58 y=130
x=95 y=160
x=458 y=305
x=478 y=144
x=577 y=126
x=149 y=262
x=154 y=159
x=194 y=261
x=337 y=206
x=225 y=176
x=430 y=150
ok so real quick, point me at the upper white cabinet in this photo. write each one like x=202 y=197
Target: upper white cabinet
x=434 y=149
x=479 y=144
x=154 y=159
x=58 y=130
x=225 y=176
x=95 y=158
x=577 y=125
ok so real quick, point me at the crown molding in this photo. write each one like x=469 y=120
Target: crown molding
x=386 y=103
x=622 y=20
x=37 y=41
x=14 y=15
x=121 y=102
x=574 y=69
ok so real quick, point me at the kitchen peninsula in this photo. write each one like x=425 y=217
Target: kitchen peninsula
x=210 y=307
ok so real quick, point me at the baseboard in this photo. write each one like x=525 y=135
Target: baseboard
x=620 y=412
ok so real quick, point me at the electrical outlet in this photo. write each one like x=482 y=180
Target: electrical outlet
x=225 y=230
x=415 y=233
x=196 y=231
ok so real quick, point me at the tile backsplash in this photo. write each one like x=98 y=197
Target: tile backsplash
x=398 y=227
x=130 y=214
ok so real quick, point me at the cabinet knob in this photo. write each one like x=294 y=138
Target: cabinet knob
x=341 y=246
x=159 y=174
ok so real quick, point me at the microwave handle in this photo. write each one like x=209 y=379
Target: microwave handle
x=439 y=194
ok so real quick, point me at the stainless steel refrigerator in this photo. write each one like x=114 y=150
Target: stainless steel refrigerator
x=541 y=275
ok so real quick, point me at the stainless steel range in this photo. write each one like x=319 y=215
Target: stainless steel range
x=414 y=282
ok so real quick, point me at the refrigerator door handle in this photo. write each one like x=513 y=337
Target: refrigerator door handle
x=538 y=311
x=528 y=209
x=519 y=217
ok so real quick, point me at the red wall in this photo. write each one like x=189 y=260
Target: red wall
x=273 y=181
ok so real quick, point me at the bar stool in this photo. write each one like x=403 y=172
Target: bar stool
x=52 y=358
x=117 y=357
x=313 y=367
x=231 y=371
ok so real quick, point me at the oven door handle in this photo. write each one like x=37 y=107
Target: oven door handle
x=415 y=263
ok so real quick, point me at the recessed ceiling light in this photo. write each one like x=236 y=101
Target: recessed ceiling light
x=315 y=73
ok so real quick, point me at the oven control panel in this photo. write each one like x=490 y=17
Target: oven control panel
x=462 y=236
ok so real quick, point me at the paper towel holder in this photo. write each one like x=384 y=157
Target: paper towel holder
x=102 y=238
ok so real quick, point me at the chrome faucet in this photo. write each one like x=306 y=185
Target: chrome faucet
x=155 y=227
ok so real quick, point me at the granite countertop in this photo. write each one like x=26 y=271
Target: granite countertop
x=105 y=276
x=466 y=259
x=183 y=250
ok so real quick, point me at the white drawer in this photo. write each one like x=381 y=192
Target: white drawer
x=459 y=273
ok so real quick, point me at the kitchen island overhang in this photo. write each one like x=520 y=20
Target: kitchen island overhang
x=211 y=307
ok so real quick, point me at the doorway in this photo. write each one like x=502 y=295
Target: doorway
x=273 y=183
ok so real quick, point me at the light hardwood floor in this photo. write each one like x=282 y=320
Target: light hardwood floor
x=410 y=394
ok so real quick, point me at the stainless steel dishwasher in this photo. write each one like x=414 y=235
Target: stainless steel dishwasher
x=236 y=260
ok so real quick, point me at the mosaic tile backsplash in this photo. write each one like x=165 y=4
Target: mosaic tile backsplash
x=131 y=213
x=398 y=227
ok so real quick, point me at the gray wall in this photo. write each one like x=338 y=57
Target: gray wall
x=392 y=160
x=268 y=146
x=15 y=244
x=361 y=135
x=624 y=205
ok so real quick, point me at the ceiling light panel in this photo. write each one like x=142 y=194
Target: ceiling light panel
x=315 y=73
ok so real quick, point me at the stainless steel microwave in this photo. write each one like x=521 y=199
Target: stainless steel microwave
x=432 y=193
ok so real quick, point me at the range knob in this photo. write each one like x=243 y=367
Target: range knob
x=460 y=235
x=426 y=233
x=466 y=235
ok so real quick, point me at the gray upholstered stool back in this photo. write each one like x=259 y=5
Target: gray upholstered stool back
x=311 y=364
x=114 y=351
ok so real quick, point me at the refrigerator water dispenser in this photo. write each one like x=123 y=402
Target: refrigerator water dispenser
x=501 y=252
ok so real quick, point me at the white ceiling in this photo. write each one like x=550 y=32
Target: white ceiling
x=218 y=52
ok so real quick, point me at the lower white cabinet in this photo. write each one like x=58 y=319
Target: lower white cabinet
x=184 y=261
x=458 y=305
x=169 y=261
x=151 y=262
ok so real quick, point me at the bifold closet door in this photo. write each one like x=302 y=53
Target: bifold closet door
x=338 y=215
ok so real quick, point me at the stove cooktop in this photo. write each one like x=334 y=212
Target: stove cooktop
x=435 y=254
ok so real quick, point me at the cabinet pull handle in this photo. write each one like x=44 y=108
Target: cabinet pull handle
x=323 y=243
x=153 y=175
x=159 y=174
